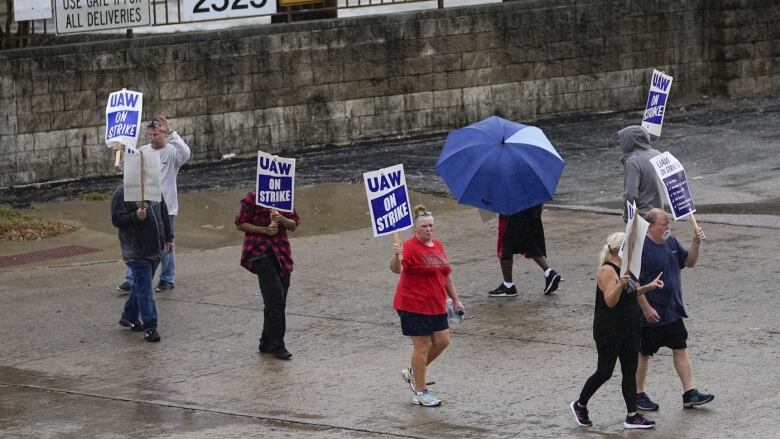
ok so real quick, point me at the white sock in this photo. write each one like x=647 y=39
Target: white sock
x=508 y=284
x=547 y=272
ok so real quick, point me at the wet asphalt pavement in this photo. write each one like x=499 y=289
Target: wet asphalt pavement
x=68 y=370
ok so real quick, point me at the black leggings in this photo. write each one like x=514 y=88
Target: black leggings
x=610 y=350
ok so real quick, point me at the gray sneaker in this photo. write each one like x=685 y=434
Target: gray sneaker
x=426 y=399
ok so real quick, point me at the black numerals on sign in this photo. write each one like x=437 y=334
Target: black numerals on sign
x=223 y=5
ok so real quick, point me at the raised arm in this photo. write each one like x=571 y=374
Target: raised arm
x=612 y=285
x=693 y=253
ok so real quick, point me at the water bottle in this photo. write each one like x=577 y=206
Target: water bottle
x=453 y=315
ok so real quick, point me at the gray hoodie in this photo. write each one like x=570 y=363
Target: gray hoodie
x=640 y=182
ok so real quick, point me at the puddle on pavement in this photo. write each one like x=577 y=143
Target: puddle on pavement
x=205 y=219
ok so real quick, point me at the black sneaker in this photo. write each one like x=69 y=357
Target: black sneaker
x=134 y=325
x=643 y=402
x=151 y=335
x=580 y=414
x=551 y=282
x=281 y=353
x=163 y=286
x=124 y=288
x=503 y=291
x=638 y=421
x=693 y=398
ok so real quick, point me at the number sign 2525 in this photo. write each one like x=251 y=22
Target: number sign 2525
x=198 y=10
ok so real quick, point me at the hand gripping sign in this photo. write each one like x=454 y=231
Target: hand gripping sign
x=123 y=119
x=656 y=102
x=388 y=201
x=142 y=175
x=275 y=182
x=631 y=249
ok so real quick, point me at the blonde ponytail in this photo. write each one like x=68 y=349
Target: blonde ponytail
x=612 y=247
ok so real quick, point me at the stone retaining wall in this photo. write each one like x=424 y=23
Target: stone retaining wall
x=289 y=86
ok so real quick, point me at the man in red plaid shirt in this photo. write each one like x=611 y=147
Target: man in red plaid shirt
x=267 y=254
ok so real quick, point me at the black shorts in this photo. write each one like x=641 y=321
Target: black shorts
x=673 y=336
x=413 y=324
x=522 y=233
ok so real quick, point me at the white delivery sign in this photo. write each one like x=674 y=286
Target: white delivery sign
x=74 y=16
x=200 y=10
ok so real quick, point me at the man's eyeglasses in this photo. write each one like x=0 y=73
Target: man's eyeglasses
x=154 y=124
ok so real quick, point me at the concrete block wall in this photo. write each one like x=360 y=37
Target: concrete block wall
x=290 y=86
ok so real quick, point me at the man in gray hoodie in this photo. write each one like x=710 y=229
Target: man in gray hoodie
x=640 y=182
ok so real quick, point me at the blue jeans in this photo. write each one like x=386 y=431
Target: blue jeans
x=167 y=260
x=141 y=298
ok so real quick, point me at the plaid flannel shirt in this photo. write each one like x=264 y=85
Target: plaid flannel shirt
x=257 y=244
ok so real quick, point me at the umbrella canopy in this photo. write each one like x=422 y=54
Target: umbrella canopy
x=500 y=165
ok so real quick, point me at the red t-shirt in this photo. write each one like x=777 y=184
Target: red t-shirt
x=424 y=273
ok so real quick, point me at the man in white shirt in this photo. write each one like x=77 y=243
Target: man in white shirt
x=174 y=153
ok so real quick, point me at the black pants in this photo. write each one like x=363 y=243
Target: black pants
x=611 y=349
x=274 y=291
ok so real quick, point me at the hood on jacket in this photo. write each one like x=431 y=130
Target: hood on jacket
x=633 y=138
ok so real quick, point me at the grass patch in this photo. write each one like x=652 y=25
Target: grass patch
x=94 y=196
x=15 y=226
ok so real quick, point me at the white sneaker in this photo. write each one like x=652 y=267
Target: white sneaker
x=425 y=398
x=408 y=376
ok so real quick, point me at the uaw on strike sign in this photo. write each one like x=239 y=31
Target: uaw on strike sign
x=123 y=117
x=275 y=182
x=388 y=200
x=656 y=102
x=672 y=175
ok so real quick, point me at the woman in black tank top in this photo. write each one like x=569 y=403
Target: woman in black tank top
x=616 y=332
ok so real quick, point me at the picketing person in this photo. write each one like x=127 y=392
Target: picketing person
x=616 y=332
x=420 y=299
x=267 y=254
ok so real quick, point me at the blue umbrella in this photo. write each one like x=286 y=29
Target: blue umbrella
x=500 y=165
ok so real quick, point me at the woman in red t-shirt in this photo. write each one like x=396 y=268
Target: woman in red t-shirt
x=420 y=300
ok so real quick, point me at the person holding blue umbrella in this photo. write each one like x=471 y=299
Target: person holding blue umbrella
x=523 y=233
x=511 y=169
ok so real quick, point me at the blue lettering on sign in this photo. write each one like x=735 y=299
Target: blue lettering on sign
x=275 y=191
x=654 y=111
x=122 y=123
x=267 y=164
x=661 y=82
x=124 y=99
x=383 y=182
x=391 y=211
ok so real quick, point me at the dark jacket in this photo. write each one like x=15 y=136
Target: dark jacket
x=140 y=239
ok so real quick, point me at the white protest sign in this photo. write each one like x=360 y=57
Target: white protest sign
x=123 y=117
x=151 y=175
x=198 y=10
x=672 y=175
x=638 y=243
x=275 y=182
x=25 y=10
x=388 y=200
x=74 y=16
x=656 y=102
